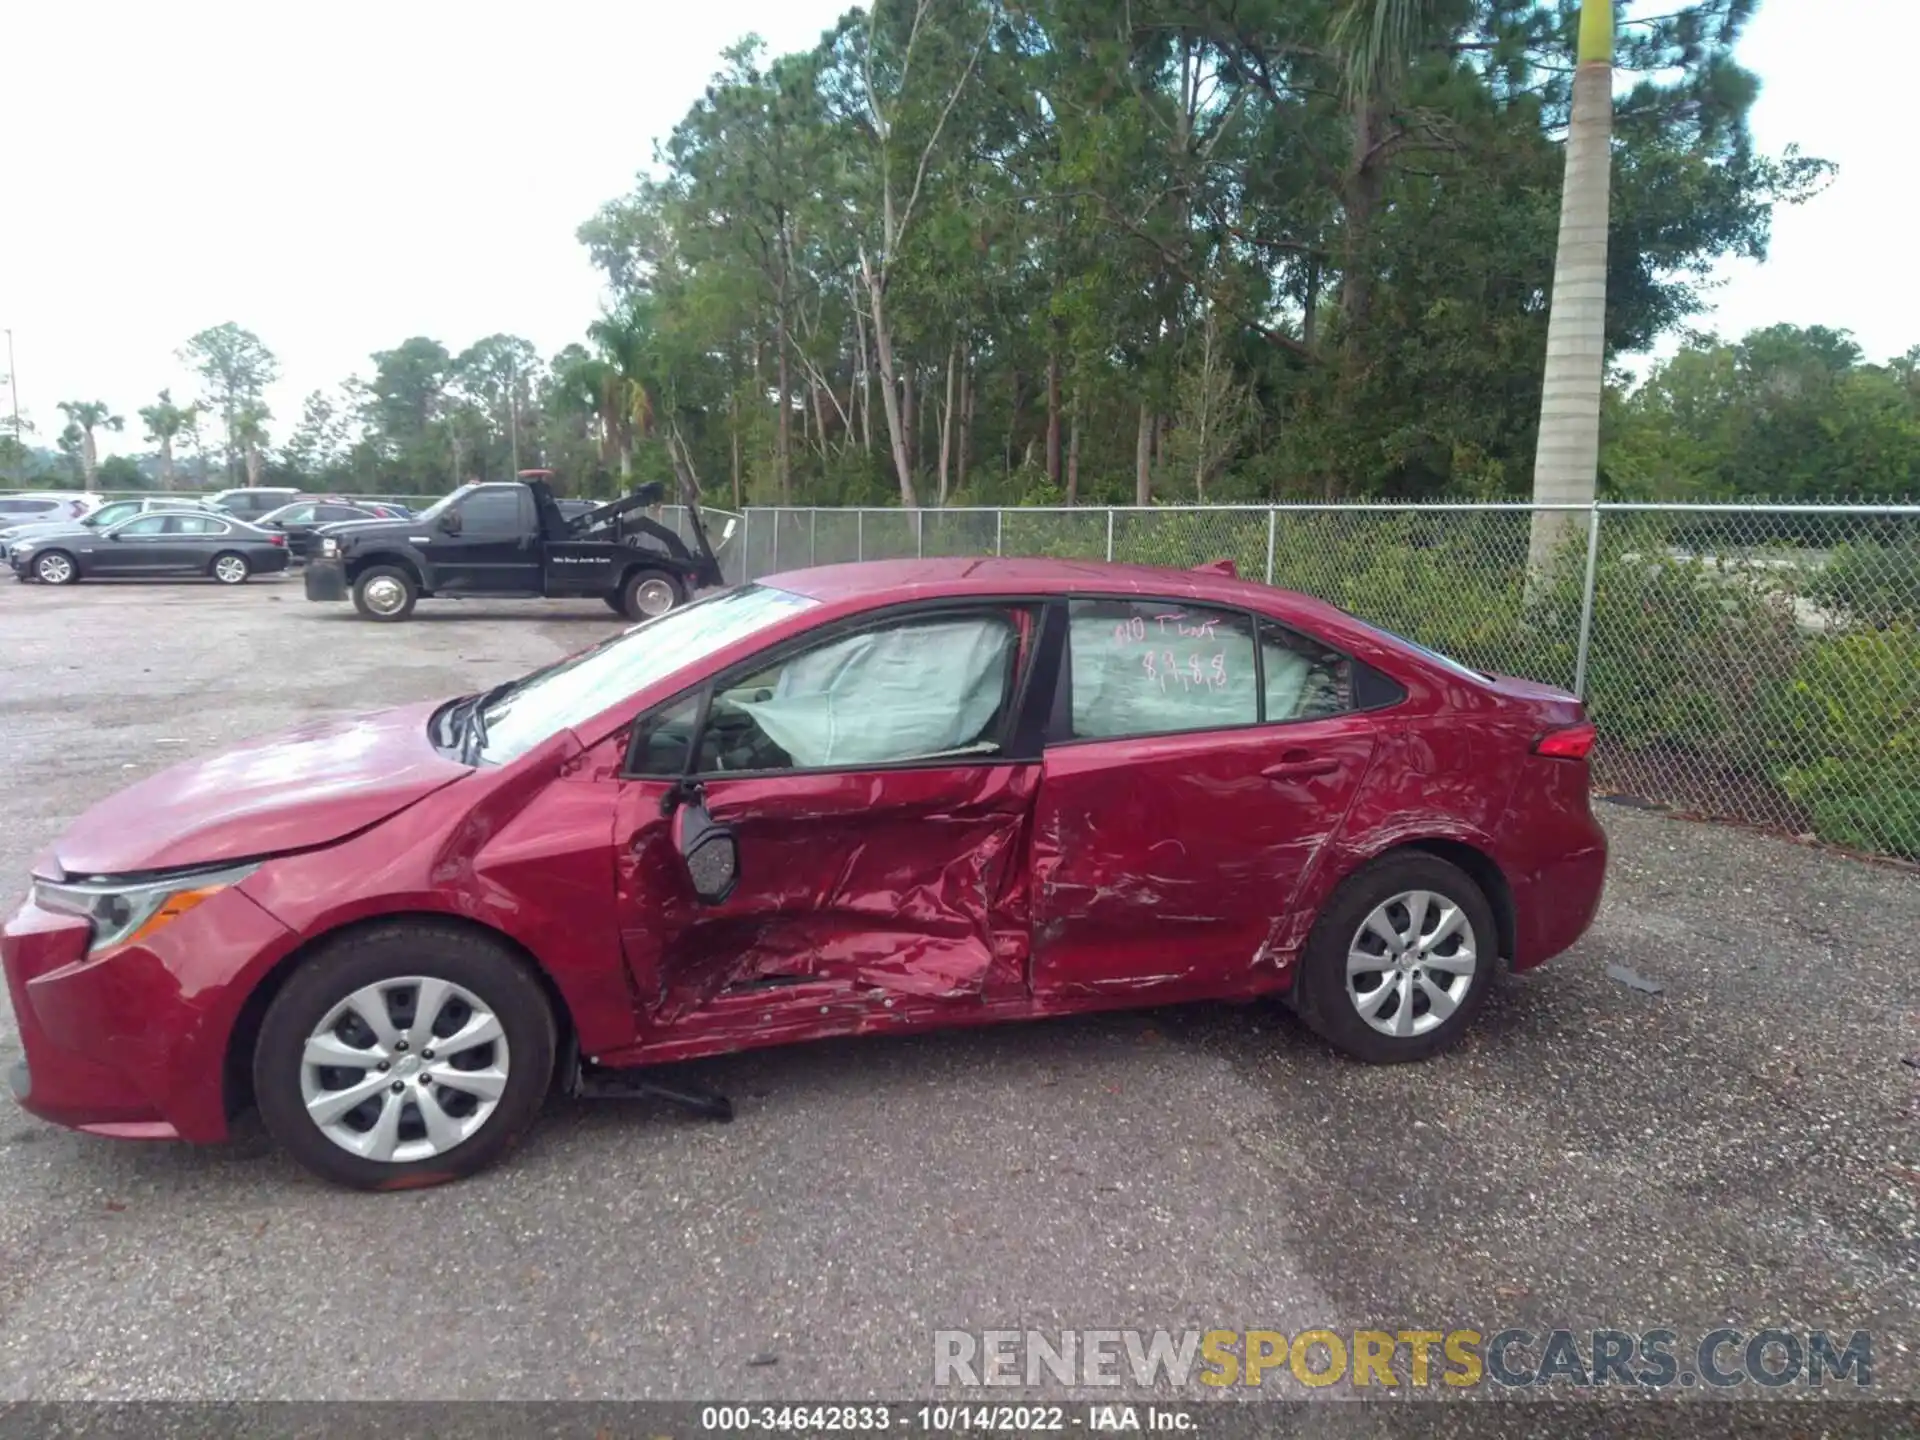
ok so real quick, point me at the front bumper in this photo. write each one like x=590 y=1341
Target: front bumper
x=133 y=1044
x=325 y=579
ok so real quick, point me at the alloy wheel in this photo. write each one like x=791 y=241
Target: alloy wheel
x=55 y=569
x=1411 y=963
x=404 y=1069
x=230 y=570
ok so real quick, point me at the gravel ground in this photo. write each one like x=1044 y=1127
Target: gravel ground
x=1740 y=1149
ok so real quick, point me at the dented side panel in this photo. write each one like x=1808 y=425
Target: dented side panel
x=898 y=882
x=1171 y=864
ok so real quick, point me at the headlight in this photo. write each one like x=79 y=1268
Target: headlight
x=122 y=913
x=329 y=546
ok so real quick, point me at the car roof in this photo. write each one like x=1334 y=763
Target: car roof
x=880 y=580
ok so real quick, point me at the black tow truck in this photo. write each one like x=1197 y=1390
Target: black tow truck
x=513 y=539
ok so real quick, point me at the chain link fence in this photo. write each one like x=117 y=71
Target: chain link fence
x=1752 y=663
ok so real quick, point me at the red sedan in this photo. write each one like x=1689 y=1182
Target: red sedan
x=852 y=800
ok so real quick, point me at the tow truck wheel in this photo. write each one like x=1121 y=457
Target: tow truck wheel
x=385 y=592
x=649 y=593
x=615 y=604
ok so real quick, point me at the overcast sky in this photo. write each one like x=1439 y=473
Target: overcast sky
x=338 y=177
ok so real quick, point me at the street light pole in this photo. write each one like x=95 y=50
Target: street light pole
x=19 y=445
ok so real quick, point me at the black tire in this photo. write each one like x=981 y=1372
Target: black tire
x=615 y=603
x=1320 y=994
x=639 y=590
x=238 y=578
x=486 y=969
x=41 y=564
x=375 y=575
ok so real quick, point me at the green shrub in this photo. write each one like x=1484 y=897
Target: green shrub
x=1845 y=733
x=1872 y=584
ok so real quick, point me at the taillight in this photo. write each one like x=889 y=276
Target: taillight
x=276 y=539
x=1575 y=742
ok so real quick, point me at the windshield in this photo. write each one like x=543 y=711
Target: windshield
x=433 y=511
x=577 y=689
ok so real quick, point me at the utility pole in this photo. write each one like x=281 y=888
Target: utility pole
x=19 y=445
x=513 y=412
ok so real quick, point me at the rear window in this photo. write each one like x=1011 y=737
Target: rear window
x=1443 y=661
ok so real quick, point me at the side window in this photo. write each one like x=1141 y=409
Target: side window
x=491 y=512
x=299 y=515
x=340 y=512
x=145 y=525
x=911 y=690
x=665 y=738
x=113 y=514
x=194 y=525
x=1304 y=679
x=1156 y=667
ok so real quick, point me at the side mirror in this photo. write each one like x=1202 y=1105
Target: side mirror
x=711 y=854
x=450 y=522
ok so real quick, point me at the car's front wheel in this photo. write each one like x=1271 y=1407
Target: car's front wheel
x=404 y=1055
x=56 y=567
x=1399 y=961
x=385 y=592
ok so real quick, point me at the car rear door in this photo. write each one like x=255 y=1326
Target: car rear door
x=879 y=789
x=1190 y=781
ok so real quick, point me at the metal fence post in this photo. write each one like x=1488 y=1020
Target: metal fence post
x=1109 y=532
x=919 y=534
x=859 y=534
x=813 y=535
x=1586 y=603
x=999 y=529
x=776 y=542
x=1272 y=517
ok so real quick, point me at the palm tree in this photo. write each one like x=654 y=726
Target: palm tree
x=167 y=422
x=1567 y=461
x=626 y=342
x=88 y=416
x=250 y=434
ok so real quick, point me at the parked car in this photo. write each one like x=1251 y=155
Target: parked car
x=857 y=799
x=45 y=505
x=250 y=502
x=107 y=516
x=301 y=521
x=154 y=545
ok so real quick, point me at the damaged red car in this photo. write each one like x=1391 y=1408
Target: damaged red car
x=860 y=799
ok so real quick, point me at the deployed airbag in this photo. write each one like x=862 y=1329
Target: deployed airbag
x=889 y=694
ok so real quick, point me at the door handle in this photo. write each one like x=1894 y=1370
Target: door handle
x=1302 y=768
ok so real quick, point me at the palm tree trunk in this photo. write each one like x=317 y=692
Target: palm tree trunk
x=166 y=462
x=1073 y=451
x=1567 y=461
x=1143 y=458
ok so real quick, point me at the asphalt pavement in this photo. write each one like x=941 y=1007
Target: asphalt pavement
x=1741 y=1148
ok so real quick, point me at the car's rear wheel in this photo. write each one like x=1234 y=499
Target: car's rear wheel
x=56 y=567
x=406 y=1055
x=649 y=593
x=385 y=592
x=1399 y=961
x=230 y=568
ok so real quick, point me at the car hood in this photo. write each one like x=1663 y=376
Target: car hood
x=348 y=531
x=41 y=529
x=308 y=786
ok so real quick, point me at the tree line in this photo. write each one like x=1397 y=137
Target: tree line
x=972 y=251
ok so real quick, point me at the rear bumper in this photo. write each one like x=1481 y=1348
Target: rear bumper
x=325 y=579
x=133 y=1044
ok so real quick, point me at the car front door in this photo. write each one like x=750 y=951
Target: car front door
x=879 y=790
x=493 y=550
x=1191 y=778
x=138 y=547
